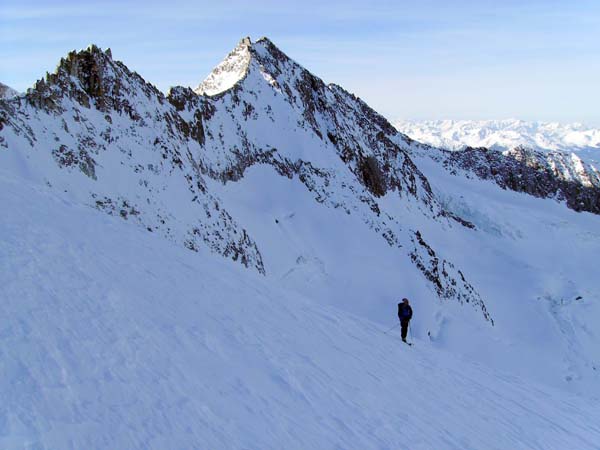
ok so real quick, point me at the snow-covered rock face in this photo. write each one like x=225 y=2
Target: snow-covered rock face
x=558 y=175
x=546 y=160
x=99 y=131
x=6 y=92
x=116 y=336
x=348 y=156
x=119 y=145
x=510 y=136
x=229 y=71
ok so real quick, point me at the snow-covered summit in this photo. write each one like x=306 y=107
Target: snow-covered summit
x=501 y=134
x=320 y=201
x=6 y=92
x=101 y=132
x=232 y=69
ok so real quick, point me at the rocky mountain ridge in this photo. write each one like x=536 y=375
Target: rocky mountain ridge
x=557 y=175
x=100 y=131
x=117 y=143
x=6 y=92
x=303 y=183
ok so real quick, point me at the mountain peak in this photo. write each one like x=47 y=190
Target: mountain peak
x=90 y=76
x=503 y=134
x=236 y=65
x=229 y=71
x=6 y=92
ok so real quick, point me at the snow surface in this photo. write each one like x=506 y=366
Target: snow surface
x=530 y=259
x=232 y=69
x=116 y=338
x=6 y=92
x=505 y=135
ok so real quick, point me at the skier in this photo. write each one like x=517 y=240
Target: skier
x=404 y=314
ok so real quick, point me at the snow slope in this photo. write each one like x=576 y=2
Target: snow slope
x=7 y=92
x=531 y=258
x=98 y=130
x=116 y=338
x=536 y=265
x=505 y=135
x=332 y=216
x=231 y=70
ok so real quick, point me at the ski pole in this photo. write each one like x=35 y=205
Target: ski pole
x=385 y=332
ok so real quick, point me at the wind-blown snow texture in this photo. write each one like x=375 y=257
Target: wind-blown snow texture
x=331 y=216
x=112 y=338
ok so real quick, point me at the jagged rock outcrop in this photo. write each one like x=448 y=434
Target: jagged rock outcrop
x=118 y=144
x=6 y=92
x=558 y=175
x=345 y=153
x=444 y=275
x=138 y=156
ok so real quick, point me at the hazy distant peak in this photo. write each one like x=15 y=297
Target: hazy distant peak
x=501 y=134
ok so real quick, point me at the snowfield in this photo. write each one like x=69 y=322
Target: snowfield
x=219 y=270
x=116 y=338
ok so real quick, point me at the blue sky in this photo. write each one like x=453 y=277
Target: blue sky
x=534 y=60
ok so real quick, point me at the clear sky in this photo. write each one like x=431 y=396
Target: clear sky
x=429 y=59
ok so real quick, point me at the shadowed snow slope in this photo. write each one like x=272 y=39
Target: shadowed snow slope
x=116 y=338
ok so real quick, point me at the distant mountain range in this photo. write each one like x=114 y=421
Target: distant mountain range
x=504 y=135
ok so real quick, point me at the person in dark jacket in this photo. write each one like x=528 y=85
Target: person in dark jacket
x=404 y=314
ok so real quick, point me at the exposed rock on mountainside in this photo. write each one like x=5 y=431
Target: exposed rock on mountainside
x=7 y=92
x=339 y=148
x=96 y=118
x=115 y=142
x=558 y=175
x=547 y=160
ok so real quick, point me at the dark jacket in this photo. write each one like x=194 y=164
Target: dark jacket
x=404 y=312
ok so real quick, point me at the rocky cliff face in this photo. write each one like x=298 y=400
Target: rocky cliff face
x=6 y=92
x=558 y=175
x=113 y=141
x=99 y=131
x=275 y=112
